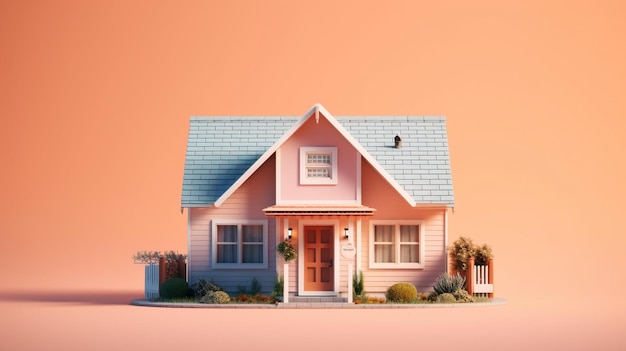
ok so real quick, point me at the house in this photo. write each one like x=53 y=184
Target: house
x=369 y=194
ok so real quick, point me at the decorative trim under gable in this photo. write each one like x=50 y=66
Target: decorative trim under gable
x=278 y=210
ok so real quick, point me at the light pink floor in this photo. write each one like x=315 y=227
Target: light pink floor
x=105 y=321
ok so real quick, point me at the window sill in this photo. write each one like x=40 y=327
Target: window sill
x=239 y=266
x=396 y=266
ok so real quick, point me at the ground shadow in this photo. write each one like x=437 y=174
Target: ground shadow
x=72 y=297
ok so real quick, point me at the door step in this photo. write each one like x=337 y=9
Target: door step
x=317 y=299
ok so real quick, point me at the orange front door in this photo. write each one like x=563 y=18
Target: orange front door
x=318 y=259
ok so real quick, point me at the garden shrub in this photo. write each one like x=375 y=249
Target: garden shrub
x=373 y=299
x=258 y=298
x=462 y=249
x=462 y=295
x=255 y=288
x=218 y=297
x=401 y=292
x=446 y=283
x=432 y=296
x=483 y=254
x=357 y=285
x=203 y=286
x=446 y=298
x=279 y=285
x=174 y=288
x=361 y=299
x=171 y=264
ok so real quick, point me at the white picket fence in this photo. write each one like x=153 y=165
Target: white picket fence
x=480 y=280
x=152 y=281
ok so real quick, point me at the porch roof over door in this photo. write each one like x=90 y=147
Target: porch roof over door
x=306 y=210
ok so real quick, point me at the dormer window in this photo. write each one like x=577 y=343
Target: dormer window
x=318 y=165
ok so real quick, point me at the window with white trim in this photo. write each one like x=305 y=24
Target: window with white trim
x=239 y=244
x=318 y=165
x=397 y=244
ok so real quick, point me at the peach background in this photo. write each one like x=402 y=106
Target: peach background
x=95 y=100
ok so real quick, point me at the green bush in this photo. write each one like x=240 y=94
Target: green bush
x=357 y=285
x=174 y=288
x=215 y=297
x=401 y=292
x=446 y=298
x=446 y=283
x=279 y=285
x=255 y=288
x=462 y=295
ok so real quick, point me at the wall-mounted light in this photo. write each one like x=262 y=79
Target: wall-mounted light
x=289 y=233
x=345 y=233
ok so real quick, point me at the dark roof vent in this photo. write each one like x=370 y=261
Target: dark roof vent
x=398 y=142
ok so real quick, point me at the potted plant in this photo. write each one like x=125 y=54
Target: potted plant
x=286 y=250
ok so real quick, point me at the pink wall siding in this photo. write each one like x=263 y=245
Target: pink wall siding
x=390 y=205
x=259 y=192
x=247 y=202
x=317 y=134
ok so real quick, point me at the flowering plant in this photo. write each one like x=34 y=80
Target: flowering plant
x=151 y=257
x=146 y=257
x=286 y=250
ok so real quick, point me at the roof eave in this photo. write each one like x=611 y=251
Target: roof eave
x=433 y=205
x=315 y=111
x=266 y=155
x=198 y=205
x=405 y=195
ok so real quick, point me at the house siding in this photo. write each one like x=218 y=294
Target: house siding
x=317 y=134
x=391 y=206
x=246 y=203
x=258 y=192
x=377 y=280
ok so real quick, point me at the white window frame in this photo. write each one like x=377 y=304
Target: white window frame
x=239 y=224
x=304 y=166
x=397 y=244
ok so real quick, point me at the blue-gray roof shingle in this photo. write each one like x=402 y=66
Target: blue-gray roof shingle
x=221 y=149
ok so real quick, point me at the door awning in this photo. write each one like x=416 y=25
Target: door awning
x=304 y=210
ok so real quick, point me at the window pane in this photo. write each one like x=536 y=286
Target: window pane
x=318 y=172
x=252 y=233
x=252 y=253
x=226 y=253
x=383 y=233
x=409 y=253
x=409 y=233
x=227 y=233
x=324 y=159
x=383 y=253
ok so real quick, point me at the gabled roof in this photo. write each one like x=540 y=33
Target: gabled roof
x=222 y=152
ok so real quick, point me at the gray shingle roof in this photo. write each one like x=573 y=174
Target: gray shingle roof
x=221 y=149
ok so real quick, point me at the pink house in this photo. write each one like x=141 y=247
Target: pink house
x=357 y=193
